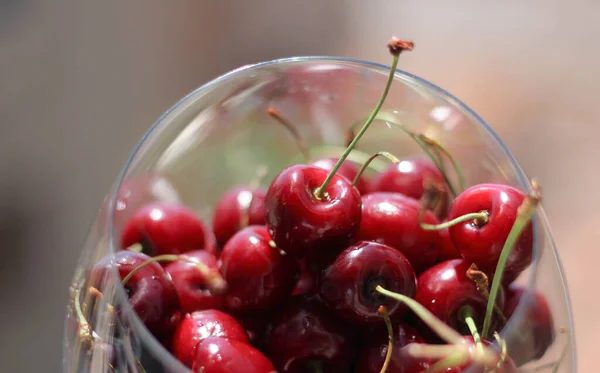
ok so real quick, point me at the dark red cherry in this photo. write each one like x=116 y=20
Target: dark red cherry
x=447 y=249
x=348 y=169
x=306 y=338
x=255 y=324
x=220 y=355
x=533 y=331
x=258 y=276
x=167 y=228
x=150 y=290
x=445 y=289
x=191 y=283
x=500 y=365
x=407 y=177
x=299 y=222
x=238 y=208
x=306 y=283
x=199 y=325
x=372 y=355
x=481 y=243
x=392 y=219
x=348 y=284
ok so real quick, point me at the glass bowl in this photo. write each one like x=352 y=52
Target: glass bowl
x=220 y=134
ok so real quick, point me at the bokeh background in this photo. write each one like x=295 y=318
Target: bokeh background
x=81 y=81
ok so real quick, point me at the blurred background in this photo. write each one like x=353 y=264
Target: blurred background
x=81 y=81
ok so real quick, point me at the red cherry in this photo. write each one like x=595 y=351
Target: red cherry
x=299 y=222
x=238 y=208
x=191 y=283
x=372 y=356
x=407 y=177
x=258 y=276
x=535 y=326
x=306 y=283
x=307 y=338
x=348 y=284
x=447 y=249
x=445 y=289
x=199 y=325
x=481 y=243
x=220 y=355
x=151 y=293
x=348 y=169
x=167 y=228
x=393 y=219
x=506 y=366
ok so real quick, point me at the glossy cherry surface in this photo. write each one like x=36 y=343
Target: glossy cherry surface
x=150 y=290
x=258 y=275
x=407 y=177
x=191 y=283
x=372 y=354
x=445 y=288
x=220 y=355
x=167 y=228
x=238 y=208
x=348 y=169
x=535 y=328
x=197 y=326
x=348 y=284
x=299 y=222
x=482 y=243
x=505 y=365
x=307 y=338
x=392 y=219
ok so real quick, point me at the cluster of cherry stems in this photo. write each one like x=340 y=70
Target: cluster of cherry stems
x=327 y=271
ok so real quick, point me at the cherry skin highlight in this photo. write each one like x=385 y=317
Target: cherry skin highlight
x=307 y=338
x=150 y=290
x=348 y=284
x=239 y=207
x=220 y=355
x=191 y=283
x=535 y=327
x=407 y=177
x=348 y=169
x=482 y=243
x=300 y=222
x=167 y=228
x=392 y=219
x=258 y=276
x=200 y=325
x=445 y=288
x=372 y=355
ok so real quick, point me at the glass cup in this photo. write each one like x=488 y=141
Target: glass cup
x=220 y=134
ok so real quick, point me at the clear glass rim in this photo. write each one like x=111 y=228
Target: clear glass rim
x=159 y=351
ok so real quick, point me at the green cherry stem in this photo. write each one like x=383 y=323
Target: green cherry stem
x=387 y=155
x=481 y=281
x=524 y=215
x=444 y=331
x=388 y=323
x=356 y=156
x=396 y=47
x=214 y=281
x=448 y=362
x=275 y=114
x=467 y=314
x=479 y=218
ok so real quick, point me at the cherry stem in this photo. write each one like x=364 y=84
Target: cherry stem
x=388 y=323
x=399 y=46
x=448 y=362
x=467 y=314
x=214 y=281
x=355 y=156
x=524 y=214
x=479 y=218
x=426 y=351
x=503 y=348
x=275 y=114
x=387 y=155
x=85 y=332
x=136 y=247
x=444 y=331
x=481 y=281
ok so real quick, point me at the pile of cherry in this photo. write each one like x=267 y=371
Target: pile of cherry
x=326 y=269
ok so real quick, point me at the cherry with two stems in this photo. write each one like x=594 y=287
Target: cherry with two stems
x=309 y=208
